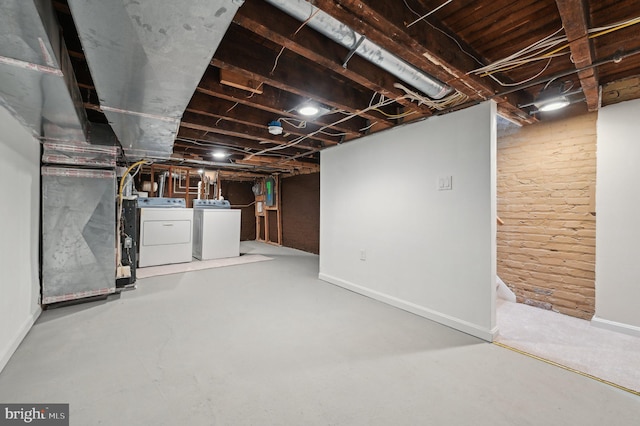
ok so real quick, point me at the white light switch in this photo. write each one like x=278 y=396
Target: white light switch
x=363 y=254
x=445 y=183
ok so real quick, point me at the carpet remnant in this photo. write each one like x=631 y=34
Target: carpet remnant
x=571 y=342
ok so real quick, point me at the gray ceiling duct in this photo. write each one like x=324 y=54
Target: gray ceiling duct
x=36 y=78
x=146 y=58
x=342 y=34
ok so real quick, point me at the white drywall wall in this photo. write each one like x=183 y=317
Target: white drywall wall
x=427 y=251
x=19 y=227
x=617 y=216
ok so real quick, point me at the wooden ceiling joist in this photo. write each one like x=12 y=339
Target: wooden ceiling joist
x=230 y=128
x=576 y=27
x=258 y=17
x=291 y=73
x=228 y=110
x=436 y=54
x=273 y=100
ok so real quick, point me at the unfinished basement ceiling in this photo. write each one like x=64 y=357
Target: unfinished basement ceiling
x=270 y=61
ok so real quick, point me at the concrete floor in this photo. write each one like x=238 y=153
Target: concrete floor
x=268 y=344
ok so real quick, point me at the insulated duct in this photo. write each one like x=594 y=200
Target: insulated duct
x=146 y=58
x=345 y=36
x=37 y=83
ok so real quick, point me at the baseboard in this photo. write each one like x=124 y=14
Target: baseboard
x=619 y=327
x=439 y=317
x=13 y=344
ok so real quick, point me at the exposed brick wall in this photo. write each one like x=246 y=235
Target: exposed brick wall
x=546 y=247
x=301 y=212
x=241 y=197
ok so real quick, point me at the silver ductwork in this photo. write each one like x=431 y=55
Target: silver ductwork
x=146 y=58
x=345 y=36
x=37 y=83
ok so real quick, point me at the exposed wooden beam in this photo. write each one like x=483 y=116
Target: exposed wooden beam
x=228 y=110
x=291 y=165
x=219 y=140
x=273 y=100
x=574 y=21
x=239 y=176
x=385 y=24
x=291 y=73
x=234 y=80
x=259 y=17
x=201 y=122
x=621 y=90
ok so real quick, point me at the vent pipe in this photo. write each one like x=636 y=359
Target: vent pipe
x=345 y=36
x=37 y=83
x=146 y=58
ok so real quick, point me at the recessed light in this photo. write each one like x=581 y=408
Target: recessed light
x=554 y=104
x=553 y=98
x=308 y=110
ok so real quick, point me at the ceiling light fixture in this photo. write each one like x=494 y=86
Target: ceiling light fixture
x=275 y=127
x=220 y=155
x=552 y=99
x=553 y=104
x=308 y=110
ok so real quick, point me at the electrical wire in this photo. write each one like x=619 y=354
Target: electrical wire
x=447 y=102
x=523 y=81
x=299 y=139
x=302 y=123
x=395 y=116
x=420 y=18
x=242 y=150
x=275 y=63
x=364 y=129
x=121 y=207
x=444 y=33
x=547 y=48
x=333 y=134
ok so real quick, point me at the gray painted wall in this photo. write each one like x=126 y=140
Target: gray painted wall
x=617 y=213
x=428 y=251
x=19 y=213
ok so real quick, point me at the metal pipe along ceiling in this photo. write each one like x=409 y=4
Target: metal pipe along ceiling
x=345 y=36
x=146 y=58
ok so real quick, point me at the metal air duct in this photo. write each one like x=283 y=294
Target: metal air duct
x=147 y=58
x=342 y=34
x=37 y=83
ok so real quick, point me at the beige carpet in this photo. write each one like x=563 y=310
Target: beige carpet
x=571 y=342
x=196 y=265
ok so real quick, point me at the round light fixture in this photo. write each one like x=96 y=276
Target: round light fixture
x=308 y=110
x=275 y=128
x=554 y=104
x=220 y=155
x=553 y=97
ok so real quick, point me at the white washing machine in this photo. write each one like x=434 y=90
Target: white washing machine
x=216 y=230
x=166 y=230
